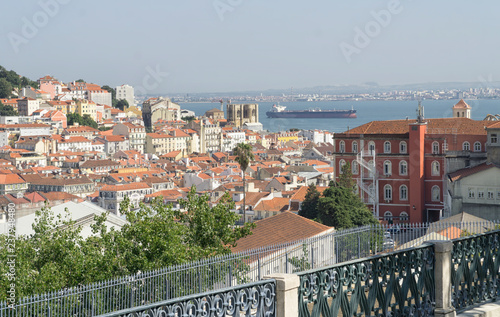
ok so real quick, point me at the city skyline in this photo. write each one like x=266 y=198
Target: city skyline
x=221 y=45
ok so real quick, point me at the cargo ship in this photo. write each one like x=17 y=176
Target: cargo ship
x=278 y=111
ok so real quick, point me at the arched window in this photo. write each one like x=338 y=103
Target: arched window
x=387 y=168
x=435 y=147
x=341 y=164
x=388 y=192
x=354 y=147
x=403 y=216
x=403 y=192
x=436 y=193
x=371 y=147
x=403 y=168
x=387 y=216
x=435 y=170
x=355 y=168
x=341 y=146
x=477 y=147
x=387 y=147
x=402 y=147
x=466 y=146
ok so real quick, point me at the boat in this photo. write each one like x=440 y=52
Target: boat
x=279 y=111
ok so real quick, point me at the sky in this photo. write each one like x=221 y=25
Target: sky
x=199 y=46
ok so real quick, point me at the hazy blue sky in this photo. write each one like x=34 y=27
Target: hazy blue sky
x=251 y=44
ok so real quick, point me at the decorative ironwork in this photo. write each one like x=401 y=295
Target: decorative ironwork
x=475 y=270
x=256 y=299
x=395 y=284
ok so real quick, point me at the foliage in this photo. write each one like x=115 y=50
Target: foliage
x=80 y=81
x=105 y=128
x=309 y=207
x=15 y=80
x=341 y=208
x=466 y=233
x=56 y=256
x=345 y=177
x=188 y=118
x=7 y=111
x=302 y=263
x=121 y=104
x=5 y=88
x=85 y=120
x=244 y=156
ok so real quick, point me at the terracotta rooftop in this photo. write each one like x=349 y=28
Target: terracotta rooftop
x=461 y=105
x=285 y=227
x=455 y=176
x=434 y=126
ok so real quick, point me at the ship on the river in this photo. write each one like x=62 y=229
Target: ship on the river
x=279 y=111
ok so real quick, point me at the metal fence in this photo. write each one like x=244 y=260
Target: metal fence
x=235 y=269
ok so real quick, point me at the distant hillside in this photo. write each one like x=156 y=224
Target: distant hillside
x=10 y=80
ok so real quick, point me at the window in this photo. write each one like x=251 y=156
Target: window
x=402 y=147
x=387 y=147
x=371 y=147
x=466 y=146
x=477 y=147
x=341 y=164
x=480 y=194
x=388 y=216
x=491 y=195
x=493 y=138
x=372 y=167
x=435 y=147
x=403 y=192
x=387 y=192
x=403 y=216
x=435 y=168
x=355 y=168
x=403 y=168
x=472 y=193
x=387 y=168
x=355 y=147
x=436 y=195
x=341 y=146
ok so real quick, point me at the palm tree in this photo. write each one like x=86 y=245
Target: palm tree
x=244 y=155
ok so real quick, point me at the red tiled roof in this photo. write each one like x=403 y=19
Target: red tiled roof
x=455 y=176
x=462 y=105
x=131 y=186
x=282 y=228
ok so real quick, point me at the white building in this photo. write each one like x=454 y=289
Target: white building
x=230 y=138
x=136 y=135
x=126 y=92
x=26 y=106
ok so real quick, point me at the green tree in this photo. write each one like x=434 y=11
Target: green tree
x=5 y=88
x=80 y=81
x=121 y=104
x=56 y=256
x=309 y=207
x=341 y=208
x=345 y=177
x=111 y=90
x=85 y=120
x=244 y=156
x=7 y=110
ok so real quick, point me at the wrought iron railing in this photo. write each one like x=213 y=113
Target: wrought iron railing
x=254 y=299
x=475 y=271
x=236 y=269
x=395 y=284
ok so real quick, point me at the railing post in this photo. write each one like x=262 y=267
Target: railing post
x=442 y=279
x=287 y=299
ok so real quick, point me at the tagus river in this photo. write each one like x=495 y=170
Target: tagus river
x=366 y=111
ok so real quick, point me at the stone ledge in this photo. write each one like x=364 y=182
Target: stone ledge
x=486 y=310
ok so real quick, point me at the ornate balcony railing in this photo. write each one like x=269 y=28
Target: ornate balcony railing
x=475 y=271
x=255 y=299
x=394 y=284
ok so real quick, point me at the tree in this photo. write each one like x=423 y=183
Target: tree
x=85 y=120
x=7 y=110
x=345 y=177
x=111 y=90
x=56 y=256
x=5 y=88
x=80 y=81
x=244 y=156
x=309 y=207
x=122 y=104
x=341 y=208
